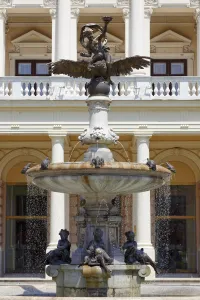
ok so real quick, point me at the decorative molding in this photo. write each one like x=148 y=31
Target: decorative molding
x=126 y=13
x=6 y=3
x=50 y=3
x=75 y=12
x=151 y=2
x=122 y=3
x=153 y=49
x=77 y=2
x=194 y=3
x=3 y=14
x=197 y=14
x=148 y=12
x=53 y=13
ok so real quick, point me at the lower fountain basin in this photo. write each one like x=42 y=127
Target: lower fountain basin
x=99 y=183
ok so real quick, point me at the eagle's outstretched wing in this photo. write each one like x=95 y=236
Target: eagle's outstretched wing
x=126 y=66
x=71 y=68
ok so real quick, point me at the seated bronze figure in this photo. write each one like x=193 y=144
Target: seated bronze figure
x=97 y=255
x=60 y=255
x=133 y=255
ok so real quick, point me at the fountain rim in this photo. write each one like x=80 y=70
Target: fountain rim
x=109 y=169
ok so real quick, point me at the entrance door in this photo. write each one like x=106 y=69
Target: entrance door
x=176 y=230
x=26 y=229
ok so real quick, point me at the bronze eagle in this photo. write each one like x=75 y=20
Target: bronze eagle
x=101 y=64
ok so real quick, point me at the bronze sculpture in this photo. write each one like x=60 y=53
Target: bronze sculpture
x=133 y=255
x=60 y=255
x=97 y=255
x=100 y=68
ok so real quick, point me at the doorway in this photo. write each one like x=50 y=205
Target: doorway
x=26 y=229
x=176 y=230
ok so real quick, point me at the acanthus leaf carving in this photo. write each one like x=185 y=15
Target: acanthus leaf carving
x=50 y=3
x=194 y=3
x=151 y=2
x=77 y=2
x=5 y=2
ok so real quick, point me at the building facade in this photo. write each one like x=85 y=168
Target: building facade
x=156 y=113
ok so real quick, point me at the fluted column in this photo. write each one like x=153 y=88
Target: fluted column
x=53 y=14
x=147 y=37
x=197 y=17
x=74 y=27
x=2 y=42
x=142 y=202
x=126 y=22
x=59 y=203
x=63 y=30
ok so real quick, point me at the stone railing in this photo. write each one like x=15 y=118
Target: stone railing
x=124 y=88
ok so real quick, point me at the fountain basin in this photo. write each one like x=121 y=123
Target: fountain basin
x=95 y=184
x=86 y=281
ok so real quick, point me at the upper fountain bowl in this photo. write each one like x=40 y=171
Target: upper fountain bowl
x=95 y=184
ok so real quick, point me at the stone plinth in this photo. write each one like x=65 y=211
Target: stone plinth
x=71 y=281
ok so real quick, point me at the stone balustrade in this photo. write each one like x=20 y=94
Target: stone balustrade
x=123 y=88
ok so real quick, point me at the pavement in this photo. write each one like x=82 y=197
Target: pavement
x=32 y=289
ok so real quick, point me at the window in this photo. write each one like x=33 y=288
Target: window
x=169 y=67
x=32 y=68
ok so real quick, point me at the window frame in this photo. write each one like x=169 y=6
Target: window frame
x=168 y=66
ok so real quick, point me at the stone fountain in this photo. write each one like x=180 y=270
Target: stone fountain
x=98 y=178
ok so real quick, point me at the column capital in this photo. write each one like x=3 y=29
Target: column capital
x=75 y=13
x=143 y=137
x=3 y=14
x=148 y=12
x=57 y=137
x=53 y=13
x=126 y=13
x=197 y=14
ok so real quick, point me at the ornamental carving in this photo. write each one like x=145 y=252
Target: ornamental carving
x=148 y=12
x=153 y=49
x=77 y=2
x=75 y=12
x=5 y=2
x=151 y=2
x=194 y=3
x=50 y=3
x=126 y=13
x=122 y=2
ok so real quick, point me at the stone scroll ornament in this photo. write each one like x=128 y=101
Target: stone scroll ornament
x=133 y=255
x=60 y=255
x=100 y=67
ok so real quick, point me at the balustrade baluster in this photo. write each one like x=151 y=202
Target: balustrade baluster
x=162 y=89
x=156 y=90
x=198 y=89
x=122 y=89
x=44 y=90
x=26 y=91
x=167 y=90
x=32 y=89
x=193 y=88
x=173 y=91
x=6 y=88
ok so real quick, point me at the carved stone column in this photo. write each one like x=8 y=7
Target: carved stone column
x=63 y=29
x=197 y=17
x=59 y=204
x=3 y=17
x=126 y=21
x=143 y=206
x=74 y=24
x=53 y=14
x=2 y=246
x=147 y=39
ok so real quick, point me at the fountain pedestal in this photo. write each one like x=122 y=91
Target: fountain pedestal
x=86 y=281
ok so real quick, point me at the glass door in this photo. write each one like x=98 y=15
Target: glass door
x=176 y=230
x=26 y=230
